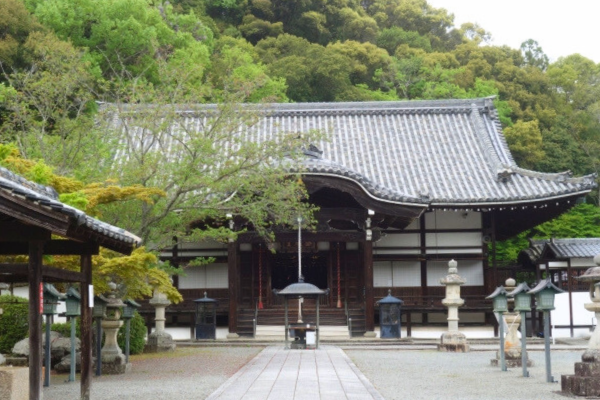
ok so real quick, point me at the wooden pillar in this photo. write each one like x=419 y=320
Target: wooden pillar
x=233 y=279
x=35 y=320
x=368 y=279
x=569 y=272
x=424 y=287
x=86 y=327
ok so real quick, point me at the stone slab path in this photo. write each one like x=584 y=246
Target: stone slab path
x=276 y=373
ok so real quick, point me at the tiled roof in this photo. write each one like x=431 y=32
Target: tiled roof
x=575 y=248
x=442 y=153
x=46 y=199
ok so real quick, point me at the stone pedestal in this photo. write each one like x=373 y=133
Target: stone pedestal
x=113 y=359
x=453 y=340
x=586 y=381
x=14 y=383
x=159 y=340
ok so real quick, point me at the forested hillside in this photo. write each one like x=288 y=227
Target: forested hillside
x=60 y=57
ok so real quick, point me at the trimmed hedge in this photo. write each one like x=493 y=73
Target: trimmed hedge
x=14 y=321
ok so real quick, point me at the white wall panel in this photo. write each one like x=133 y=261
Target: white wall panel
x=406 y=273
x=470 y=270
x=382 y=274
x=453 y=220
x=216 y=276
x=211 y=276
x=396 y=274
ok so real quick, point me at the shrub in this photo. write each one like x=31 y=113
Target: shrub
x=137 y=338
x=14 y=321
x=64 y=328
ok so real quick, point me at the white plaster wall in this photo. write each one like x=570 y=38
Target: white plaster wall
x=211 y=276
x=439 y=219
x=581 y=316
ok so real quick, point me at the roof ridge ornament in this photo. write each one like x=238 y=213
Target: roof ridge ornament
x=505 y=174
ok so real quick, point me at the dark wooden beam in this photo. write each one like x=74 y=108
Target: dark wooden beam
x=86 y=327
x=20 y=273
x=18 y=232
x=333 y=236
x=33 y=214
x=61 y=275
x=368 y=280
x=35 y=320
x=51 y=247
x=406 y=212
x=232 y=262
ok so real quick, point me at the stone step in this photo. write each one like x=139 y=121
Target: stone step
x=277 y=332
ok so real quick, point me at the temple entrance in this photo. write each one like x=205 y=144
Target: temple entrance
x=284 y=269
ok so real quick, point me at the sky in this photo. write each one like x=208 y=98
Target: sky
x=560 y=27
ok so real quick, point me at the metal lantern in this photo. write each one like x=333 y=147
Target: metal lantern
x=544 y=292
x=51 y=299
x=129 y=309
x=73 y=302
x=390 y=316
x=206 y=318
x=500 y=300
x=99 y=309
x=522 y=297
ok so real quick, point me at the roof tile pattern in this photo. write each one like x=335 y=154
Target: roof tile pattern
x=575 y=248
x=445 y=152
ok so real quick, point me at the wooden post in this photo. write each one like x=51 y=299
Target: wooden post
x=423 y=257
x=35 y=320
x=233 y=285
x=86 y=327
x=569 y=272
x=368 y=277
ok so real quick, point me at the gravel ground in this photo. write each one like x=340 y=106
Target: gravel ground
x=186 y=374
x=431 y=375
x=196 y=372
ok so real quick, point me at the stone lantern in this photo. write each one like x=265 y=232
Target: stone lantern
x=159 y=340
x=586 y=381
x=113 y=359
x=512 y=349
x=453 y=340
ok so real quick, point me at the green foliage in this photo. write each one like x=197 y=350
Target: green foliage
x=137 y=335
x=583 y=221
x=64 y=328
x=14 y=321
x=525 y=141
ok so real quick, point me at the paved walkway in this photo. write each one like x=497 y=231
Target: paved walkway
x=275 y=373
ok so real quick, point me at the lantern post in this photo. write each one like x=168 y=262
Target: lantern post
x=544 y=292
x=73 y=311
x=500 y=302
x=523 y=305
x=128 y=312
x=51 y=298
x=99 y=312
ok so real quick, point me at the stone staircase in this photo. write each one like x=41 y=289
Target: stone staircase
x=277 y=332
x=332 y=321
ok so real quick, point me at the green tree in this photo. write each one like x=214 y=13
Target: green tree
x=51 y=107
x=533 y=54
x=525 y=141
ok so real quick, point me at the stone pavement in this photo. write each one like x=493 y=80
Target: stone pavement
x=276 y=373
